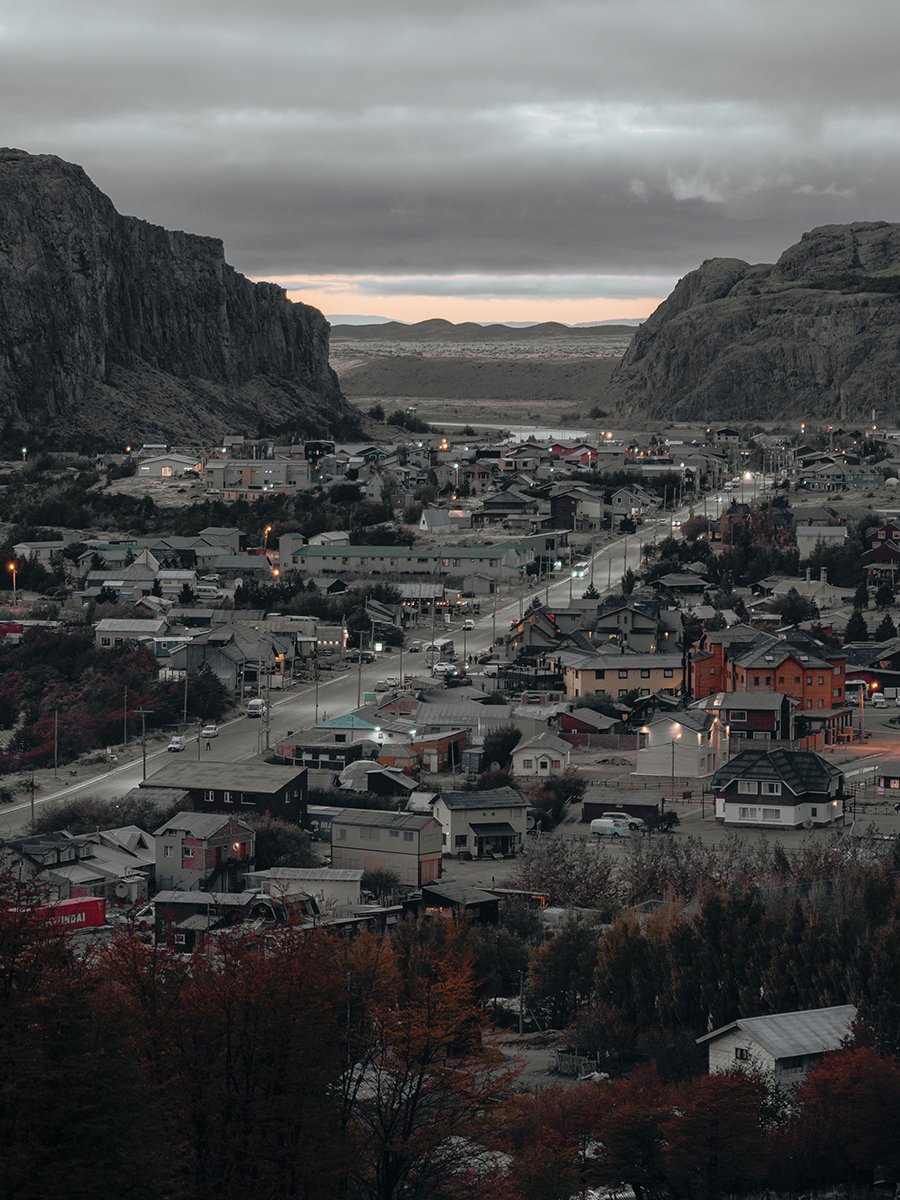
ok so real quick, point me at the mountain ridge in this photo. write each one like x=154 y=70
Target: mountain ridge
x=815 y=334
x=114 y=328
x=440 y=329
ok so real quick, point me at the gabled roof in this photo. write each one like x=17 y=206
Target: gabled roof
x=543 y=741
x=801 y=771
x=790 y=1035
x=504 y=797
x=198 y=825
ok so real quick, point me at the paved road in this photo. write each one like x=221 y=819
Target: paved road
x=242 y=738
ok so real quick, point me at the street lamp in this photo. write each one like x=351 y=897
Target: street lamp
x=676 y=737
x=14 y=568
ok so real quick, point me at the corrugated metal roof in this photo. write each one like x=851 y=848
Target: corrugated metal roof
x=789 y=1035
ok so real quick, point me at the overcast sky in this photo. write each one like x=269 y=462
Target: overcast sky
x=499 y=159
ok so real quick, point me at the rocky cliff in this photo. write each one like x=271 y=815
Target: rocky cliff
x=817 y=334
x=115 y=328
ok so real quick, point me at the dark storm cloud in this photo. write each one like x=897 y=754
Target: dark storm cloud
x=535 y=138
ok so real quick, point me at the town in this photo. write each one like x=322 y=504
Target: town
x=579 y=705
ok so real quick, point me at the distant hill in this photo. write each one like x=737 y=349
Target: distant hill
x=817 y=334
x=439 y=330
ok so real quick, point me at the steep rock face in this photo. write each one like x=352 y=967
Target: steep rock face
x=817 y=334
x=114 y=327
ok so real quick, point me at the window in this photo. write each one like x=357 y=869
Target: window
x=461 y=839
x=771 y=789
x=756 y=681
x=104 y=641
x=226 y=797
x=166 y=472
x=342 y=835
x=187 y=852
x=668 y=673
x=180 y=939
x=623 y=674
x=747 y=787
x=738 y=715
x=209 y=796
x=821 y=680
x=368 y=835
x=623 y=692
x=771 y=814
x=527 y=764
x=645 y=674
x=836 y=692
x=407 y=837
x=556 y=763
x=809 y=681
x=747 y=814
x=741 y=1054
x=813 y=812
x=167 y=851
x=394 y=833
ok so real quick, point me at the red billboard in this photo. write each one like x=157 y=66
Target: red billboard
x=84 y=912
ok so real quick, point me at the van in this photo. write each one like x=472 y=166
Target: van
x=176 y=744
x=878 y=700
x=605 y=827
x=256 y=708
x=207 y=591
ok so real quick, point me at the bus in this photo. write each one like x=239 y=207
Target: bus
x=440 y=650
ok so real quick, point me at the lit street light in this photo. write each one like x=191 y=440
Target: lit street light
x=14 y=568
x=676 y=738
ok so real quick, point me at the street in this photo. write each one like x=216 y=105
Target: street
x=241 y=738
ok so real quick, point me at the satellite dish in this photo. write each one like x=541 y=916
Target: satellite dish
x=122 y=890
x=495 y=766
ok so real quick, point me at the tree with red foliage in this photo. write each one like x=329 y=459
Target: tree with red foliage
x=715 y=1135
x=549 y=1134
x=845 y=1125
x=422 y=1075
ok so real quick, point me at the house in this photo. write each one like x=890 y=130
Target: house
x=114 y=631
x=184 y=920
x=683 y=745
x=756 y=716
x=618 y=674
x=170 y=467
x=406 y=843
x=784 y=1045
x=368 y=776
x=67 y=866
x=543 y=756
x=632 y=501
x=46 y=553
x=779 y=789
x=203 y=852
x=482 y=823
x=456 y=899
x=237 y=787
x=811 y=536
x=581 y=725
x=333 y=891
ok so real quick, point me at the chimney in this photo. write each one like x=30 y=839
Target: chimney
x=808 y=574
x=823 y=574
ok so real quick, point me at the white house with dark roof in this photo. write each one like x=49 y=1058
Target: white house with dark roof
x=371 y=840
x=779 y=789
x=785 y=1045
x=543 y=756
x=478 y=824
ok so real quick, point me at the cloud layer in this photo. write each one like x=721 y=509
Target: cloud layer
x=536 y=149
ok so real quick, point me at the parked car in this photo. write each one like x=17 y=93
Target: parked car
x=176 y=743
x=382 y=685
x=633 y=823
x=603 y=827
x=392 y=681
x=209 y=731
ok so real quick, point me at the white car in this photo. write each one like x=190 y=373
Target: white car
x=468 y=623
x=633 y=823
x=444 y=668
x=176 y=744
x=209 y=731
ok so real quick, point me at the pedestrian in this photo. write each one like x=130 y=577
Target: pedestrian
x=208 y=744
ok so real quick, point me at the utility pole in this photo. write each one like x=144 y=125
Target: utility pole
x=125 y=721
x=359 y=669
x=56 y=741
x=143 y=713
x=184 y=716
